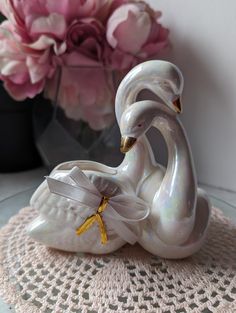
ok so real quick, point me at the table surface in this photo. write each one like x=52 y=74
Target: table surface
x=17 y=188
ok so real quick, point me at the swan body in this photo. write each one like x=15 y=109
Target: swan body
x=59 y=216
x=177 y=224
x=179 y=214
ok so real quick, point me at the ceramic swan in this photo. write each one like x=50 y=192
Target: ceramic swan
x=59 y=217
x=180 y=212
x=174 y=235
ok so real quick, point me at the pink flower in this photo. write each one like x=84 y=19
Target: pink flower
x=74 y=9
x=53 y=25
x=86 y=36
x=22 y=68
x=31 y=19
x=27 y=11
x=133 y=29
x=157 y=40
x=108 y=7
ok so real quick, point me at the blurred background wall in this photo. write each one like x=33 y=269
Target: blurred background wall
x=203 y=35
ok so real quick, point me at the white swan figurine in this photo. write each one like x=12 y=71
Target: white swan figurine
x=59 y=216
x=72 y=194
x=174 y=228
x=177 y=224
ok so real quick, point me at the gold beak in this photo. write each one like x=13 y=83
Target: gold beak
x=178 y=106
x=127 y=143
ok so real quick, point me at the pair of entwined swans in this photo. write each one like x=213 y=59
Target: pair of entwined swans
x=179 y=211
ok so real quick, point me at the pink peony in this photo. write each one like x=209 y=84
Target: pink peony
x=133 y=29
x=32 y=18
x=74 y=9
x=86 y=36
x=27 y=11
x=108 y=8
x=22 y=68
x=87 y=39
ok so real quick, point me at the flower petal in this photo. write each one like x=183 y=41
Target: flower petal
x=54 y=24
x=128 y=28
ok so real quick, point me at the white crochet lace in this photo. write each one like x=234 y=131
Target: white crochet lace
x=37 y=279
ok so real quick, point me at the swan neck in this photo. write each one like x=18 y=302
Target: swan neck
x=140 y=159
x=127 y=94
x=172 y=131
x=180 y=168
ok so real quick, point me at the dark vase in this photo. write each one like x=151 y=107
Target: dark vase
x=17 y=148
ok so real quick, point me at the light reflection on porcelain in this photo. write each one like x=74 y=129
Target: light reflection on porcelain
x=180 y=212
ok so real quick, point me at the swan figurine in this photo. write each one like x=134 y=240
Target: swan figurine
x=59 y=216
x=74 y=193
x=179 y=214
x=177 y=224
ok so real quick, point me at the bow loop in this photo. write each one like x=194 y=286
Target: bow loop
x=128 y=208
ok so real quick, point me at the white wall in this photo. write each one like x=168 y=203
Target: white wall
x=203 y=34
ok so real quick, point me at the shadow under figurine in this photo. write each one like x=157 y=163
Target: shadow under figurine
x=176 y=223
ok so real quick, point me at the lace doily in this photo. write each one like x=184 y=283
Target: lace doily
x=36 y=279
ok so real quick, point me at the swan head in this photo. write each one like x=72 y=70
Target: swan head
x=137 y=119
x=162 y=78
x=166 y=81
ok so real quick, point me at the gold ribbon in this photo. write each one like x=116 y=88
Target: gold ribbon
x=96 y=218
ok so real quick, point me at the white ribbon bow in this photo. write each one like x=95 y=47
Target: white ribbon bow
x=121 y=211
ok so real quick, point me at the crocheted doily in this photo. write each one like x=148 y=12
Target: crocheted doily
x=34 y=278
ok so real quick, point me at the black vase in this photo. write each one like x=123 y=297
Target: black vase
x=17 y=148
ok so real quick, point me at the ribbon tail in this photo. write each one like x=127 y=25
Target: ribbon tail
x=102 y=229
x=86 y=225
x=124 y=232
x=116 y=212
